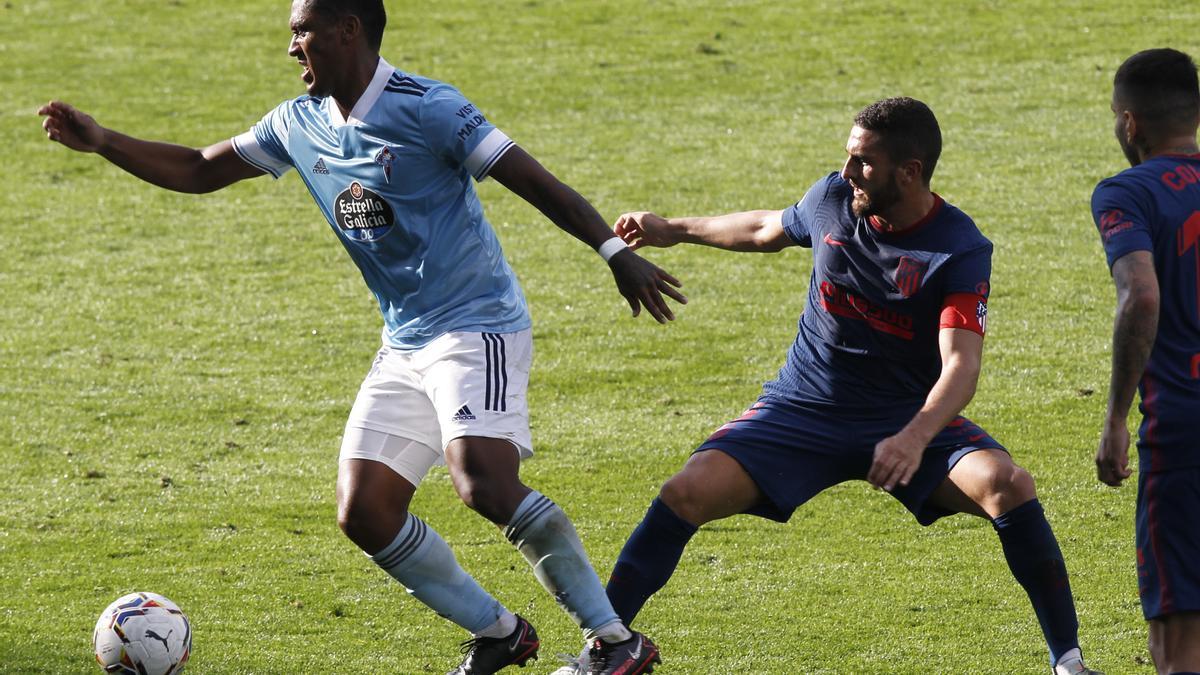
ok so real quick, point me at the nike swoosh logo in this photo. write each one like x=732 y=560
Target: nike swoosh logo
x=637 y=653
x=828 y=239
x=517 y=642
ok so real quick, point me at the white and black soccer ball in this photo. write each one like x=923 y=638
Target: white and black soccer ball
x=142 y=634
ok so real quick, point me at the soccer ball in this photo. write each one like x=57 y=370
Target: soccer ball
x=142 y=634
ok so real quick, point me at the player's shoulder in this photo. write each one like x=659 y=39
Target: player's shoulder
x=1153 y=174
x=965 y=234
x=829 y=189
x=302 y=107
x=834 y=186
x=410 y=84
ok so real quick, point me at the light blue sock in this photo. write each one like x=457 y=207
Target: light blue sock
x=547 y=539
x=420 y=560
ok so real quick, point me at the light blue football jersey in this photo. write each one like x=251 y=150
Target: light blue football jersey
x=394 y=181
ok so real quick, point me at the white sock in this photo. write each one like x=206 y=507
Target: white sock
x=613 y=632
x=503 y=627
x=547 y=539
x=420 y=560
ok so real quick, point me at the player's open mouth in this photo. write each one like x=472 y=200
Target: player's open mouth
x=306 y=74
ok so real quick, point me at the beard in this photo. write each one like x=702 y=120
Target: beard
x=1131 y=152
x=869 y=204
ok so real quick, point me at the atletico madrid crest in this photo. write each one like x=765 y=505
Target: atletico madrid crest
x=909 y=275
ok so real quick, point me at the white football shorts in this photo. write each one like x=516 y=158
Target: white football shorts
x=461 y=384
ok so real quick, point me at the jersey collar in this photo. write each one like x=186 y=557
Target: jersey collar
x=938 y=202
x=383 y=71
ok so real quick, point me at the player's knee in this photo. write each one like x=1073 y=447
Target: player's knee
x=364 y=521
x=488 y=500
x=1020 y=484
x=682 y=496
x=1007 y=487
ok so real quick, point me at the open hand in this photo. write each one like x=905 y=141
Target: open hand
x=896 y=460
x=643 y=284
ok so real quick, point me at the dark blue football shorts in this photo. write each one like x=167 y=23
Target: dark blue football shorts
x=1168 y=541
x=794 y=452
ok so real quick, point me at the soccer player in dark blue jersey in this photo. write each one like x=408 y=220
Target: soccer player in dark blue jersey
x=1149 y=221
x=887 y=355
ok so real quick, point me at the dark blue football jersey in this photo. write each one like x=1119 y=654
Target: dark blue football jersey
x=1155 y=207
x=867 y=343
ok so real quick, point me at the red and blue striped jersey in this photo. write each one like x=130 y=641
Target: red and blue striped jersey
x=1155 y=207
x=867 y=341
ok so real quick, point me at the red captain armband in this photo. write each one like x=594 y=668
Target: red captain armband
x=965 y=310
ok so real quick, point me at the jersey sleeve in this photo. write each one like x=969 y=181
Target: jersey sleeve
x=799 y=219
x=1121 y=220
x=265 y=145
x=457 y=131
x=966 y=289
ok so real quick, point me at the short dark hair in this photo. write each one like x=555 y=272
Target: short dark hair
x=370 y=13
x=1160 y=86
x=908 y=130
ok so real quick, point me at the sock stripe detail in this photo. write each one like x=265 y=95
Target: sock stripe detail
x=532 y=512
x=392 y=556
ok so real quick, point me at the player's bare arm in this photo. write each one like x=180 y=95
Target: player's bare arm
x=642 y=283
x=1134 y=330
x=897 y=457
x=174 y=167
x=752 y=231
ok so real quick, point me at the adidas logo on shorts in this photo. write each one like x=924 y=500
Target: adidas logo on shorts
x=463 y=414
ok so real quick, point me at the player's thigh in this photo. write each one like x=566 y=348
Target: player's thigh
x=377 y=464
x=1175 y=641
x=963 y=470
x=477 y=384
x=767 y=462
x=985 y=483
x=378 y=474
x=712 y=485
x=484 y=472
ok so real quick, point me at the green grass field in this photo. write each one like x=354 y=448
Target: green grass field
x=175 y=371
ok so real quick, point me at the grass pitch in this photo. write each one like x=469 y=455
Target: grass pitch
x=175 y=371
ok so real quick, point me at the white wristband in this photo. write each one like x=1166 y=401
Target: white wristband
x=611 y=247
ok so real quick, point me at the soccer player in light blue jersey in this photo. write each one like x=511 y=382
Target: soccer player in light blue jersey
x=390 y=158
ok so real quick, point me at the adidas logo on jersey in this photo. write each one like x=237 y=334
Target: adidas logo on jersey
x=464 y=413
x=319 y=167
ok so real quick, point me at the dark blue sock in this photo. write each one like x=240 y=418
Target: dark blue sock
x=1037 y=563
x=648 y=559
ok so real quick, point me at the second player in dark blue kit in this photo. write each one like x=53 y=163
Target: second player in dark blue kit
x=1149 y=221
x=887 y=354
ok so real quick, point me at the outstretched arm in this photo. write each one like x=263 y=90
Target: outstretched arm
x=898 y=457
x=1134 y=330
x=760 y=231
x=174 y=167
x=641 y=282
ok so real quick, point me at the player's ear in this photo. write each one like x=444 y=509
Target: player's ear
x=350 y=28
x=911 y=171
x=1130 y=125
